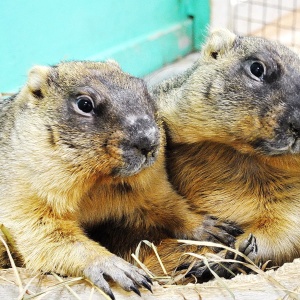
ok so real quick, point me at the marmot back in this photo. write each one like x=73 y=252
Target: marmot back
x=233 y=122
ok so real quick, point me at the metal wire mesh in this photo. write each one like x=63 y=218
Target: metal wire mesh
x=274 y=19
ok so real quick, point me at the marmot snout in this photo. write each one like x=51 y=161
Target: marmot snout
x=140 y=145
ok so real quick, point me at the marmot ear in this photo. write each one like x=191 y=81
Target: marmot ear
x=37 y=77
x=218 y=43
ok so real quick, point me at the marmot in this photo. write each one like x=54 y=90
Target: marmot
x=81 y=144
x=233 y=127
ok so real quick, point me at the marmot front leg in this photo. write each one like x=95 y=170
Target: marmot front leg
x=178 y=218
x=172 y=253
x=59 y=245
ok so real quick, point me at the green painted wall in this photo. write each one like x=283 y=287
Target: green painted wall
x=141 y=35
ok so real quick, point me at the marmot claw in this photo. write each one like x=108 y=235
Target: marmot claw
x=219 y=231
x=129 y=277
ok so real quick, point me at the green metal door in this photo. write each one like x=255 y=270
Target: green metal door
x=141 y=35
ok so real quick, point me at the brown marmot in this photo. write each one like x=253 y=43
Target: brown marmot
x=81 y=144
x=233 y=127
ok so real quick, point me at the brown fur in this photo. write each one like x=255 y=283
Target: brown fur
x=233 y=146
x=64 y=171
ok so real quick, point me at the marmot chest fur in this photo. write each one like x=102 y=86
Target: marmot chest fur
x=233 y=122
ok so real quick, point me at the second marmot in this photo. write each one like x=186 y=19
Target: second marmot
x=233 y=122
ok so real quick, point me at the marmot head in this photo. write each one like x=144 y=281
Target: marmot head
x=93 y=116
x=248 y=91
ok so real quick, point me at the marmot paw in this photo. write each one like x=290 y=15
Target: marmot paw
x=225 y=269
x=129 y=277
x=219 y=231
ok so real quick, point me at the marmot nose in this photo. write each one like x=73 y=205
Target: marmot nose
x=145 y=145
x=143 y=135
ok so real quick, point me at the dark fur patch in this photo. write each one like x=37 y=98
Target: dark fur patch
x=38 y=94
x=124 y=188
x=70 y=145
x=208 y=90
x=274 y=75
x=214 y=55
x=122 y=238
x=51 y=135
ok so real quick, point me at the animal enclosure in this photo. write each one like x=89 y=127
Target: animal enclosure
x=274 y=19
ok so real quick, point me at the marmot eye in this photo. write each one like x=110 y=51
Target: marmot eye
x=85 y=104
x=257 y=69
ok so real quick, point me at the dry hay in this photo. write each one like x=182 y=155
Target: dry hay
x=20 y=283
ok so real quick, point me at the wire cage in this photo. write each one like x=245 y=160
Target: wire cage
x=274 y=19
